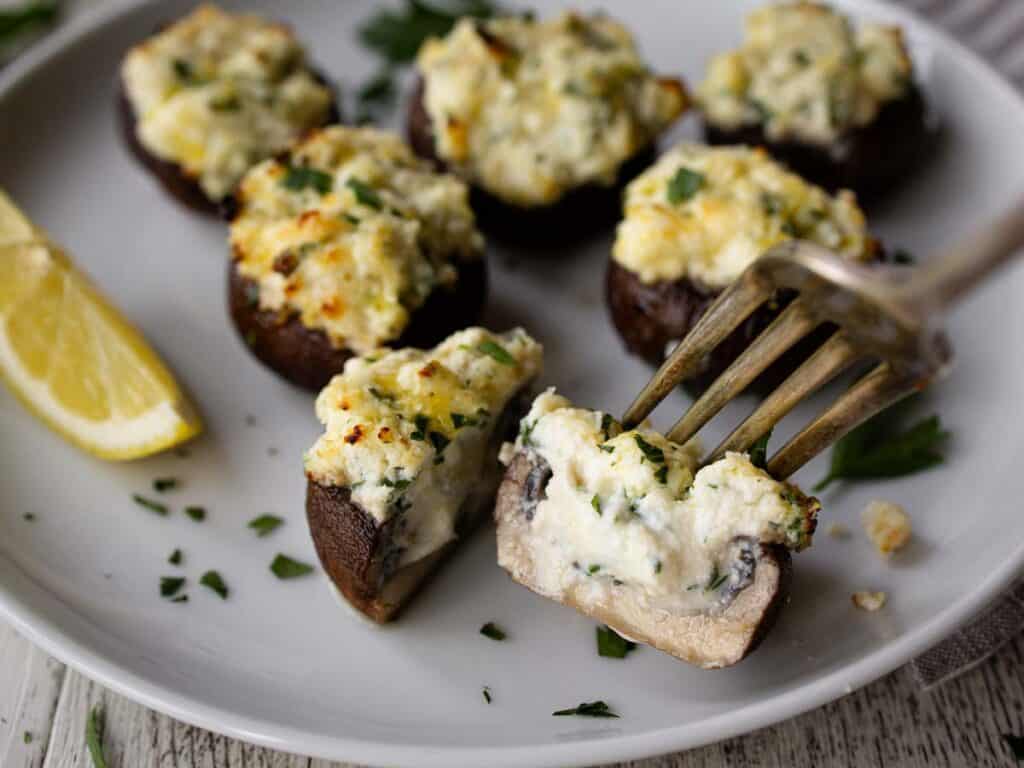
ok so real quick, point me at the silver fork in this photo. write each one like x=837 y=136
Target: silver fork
x=889 y=314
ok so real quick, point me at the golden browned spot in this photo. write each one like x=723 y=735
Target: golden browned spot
x=332 y=307
x=293 y=287
x=286 y=262
x=344 y=404
x=307 y=216
x=675 y=87
x=385 y=435
x=355 y=435
x=429 y=369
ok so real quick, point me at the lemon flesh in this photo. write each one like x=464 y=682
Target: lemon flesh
x=73 y=360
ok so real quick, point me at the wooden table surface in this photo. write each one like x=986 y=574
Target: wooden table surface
x=44 y=705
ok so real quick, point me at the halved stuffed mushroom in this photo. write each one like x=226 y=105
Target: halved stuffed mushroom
x=546 y=119
x=623 y=527
x=211 y=95
x=408 y=462
x=347 y=243
x=692 y=223
x=839 y=105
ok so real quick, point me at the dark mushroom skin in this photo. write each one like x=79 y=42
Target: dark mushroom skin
x=650 y=316
x=582 y=213
x=707 y=640
x=870 y=159
x=356 y=552
x=306 y=357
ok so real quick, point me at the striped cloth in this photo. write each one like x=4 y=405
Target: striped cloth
x=992 y=28
x=995 y=30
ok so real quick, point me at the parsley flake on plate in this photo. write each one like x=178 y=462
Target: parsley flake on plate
x=587 y=709
x=264 y=525
x=285 y=567
x=612 y=645
x=493 y=631
x=213 y=580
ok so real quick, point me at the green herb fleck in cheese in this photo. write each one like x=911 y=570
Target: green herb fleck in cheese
x=407 y=431
x=663 y=529
x=804 y=73
x=705 y=213
x=530 y=110
x=217 y=92
x=352 y=233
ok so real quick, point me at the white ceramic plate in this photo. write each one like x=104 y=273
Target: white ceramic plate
x=280 y=663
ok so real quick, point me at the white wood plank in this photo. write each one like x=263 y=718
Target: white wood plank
x=30 y=684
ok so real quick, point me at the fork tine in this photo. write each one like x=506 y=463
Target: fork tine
x=877 y=390
x=826 y=362
x=731 y=308
x=788 y=328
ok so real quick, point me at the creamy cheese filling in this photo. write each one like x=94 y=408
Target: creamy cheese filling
x=629 y=509
x=217 y=92
x=408 y=431
x=529 y=110
x=705 y=213
x=352 y=233
x=804 y=73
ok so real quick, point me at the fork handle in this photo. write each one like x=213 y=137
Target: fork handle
x=955 y=272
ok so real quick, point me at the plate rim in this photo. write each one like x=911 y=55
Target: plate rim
x=48 y=635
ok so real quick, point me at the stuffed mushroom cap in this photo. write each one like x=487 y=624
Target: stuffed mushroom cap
x=805 y=73
x=214 y=93
x=350 y=234
x=623 y=526
x=531 y=110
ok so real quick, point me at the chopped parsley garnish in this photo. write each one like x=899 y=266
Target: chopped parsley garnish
x=28 y=517
x=226 y=104
x=17 y=21
x=487 y=694
x=525 y=432
x=94 y=737
x=264 y=525
x=285 y=567
x=154 y=506
x=300 y=177
x=196 y=513
x=384 y=397
x=595 y=502
x=717 y=579
x=651 y=452
x=759 y=451
x=439 y=441
x=180 y=599
x=460 y=420
x=496 y=352
x=213 y=580
x=684 y=185
x=396 y=35
x=365 y=194
x=171 y=585
x=27 y=737
x=607 y=448
x=877 y=449
x=606 y=425
x=657 y=566
x=662 y=474
x=493 y=631
x=1016 y=745
x=399 y=484
x=163 y=484
x=421 y=422
x=175 y=558
x=801 y=57
x=587 y=709
x=593 y=569
x=183 y=71
x=611 y=645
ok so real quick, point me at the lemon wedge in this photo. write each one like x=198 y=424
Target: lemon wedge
x=71 y=357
